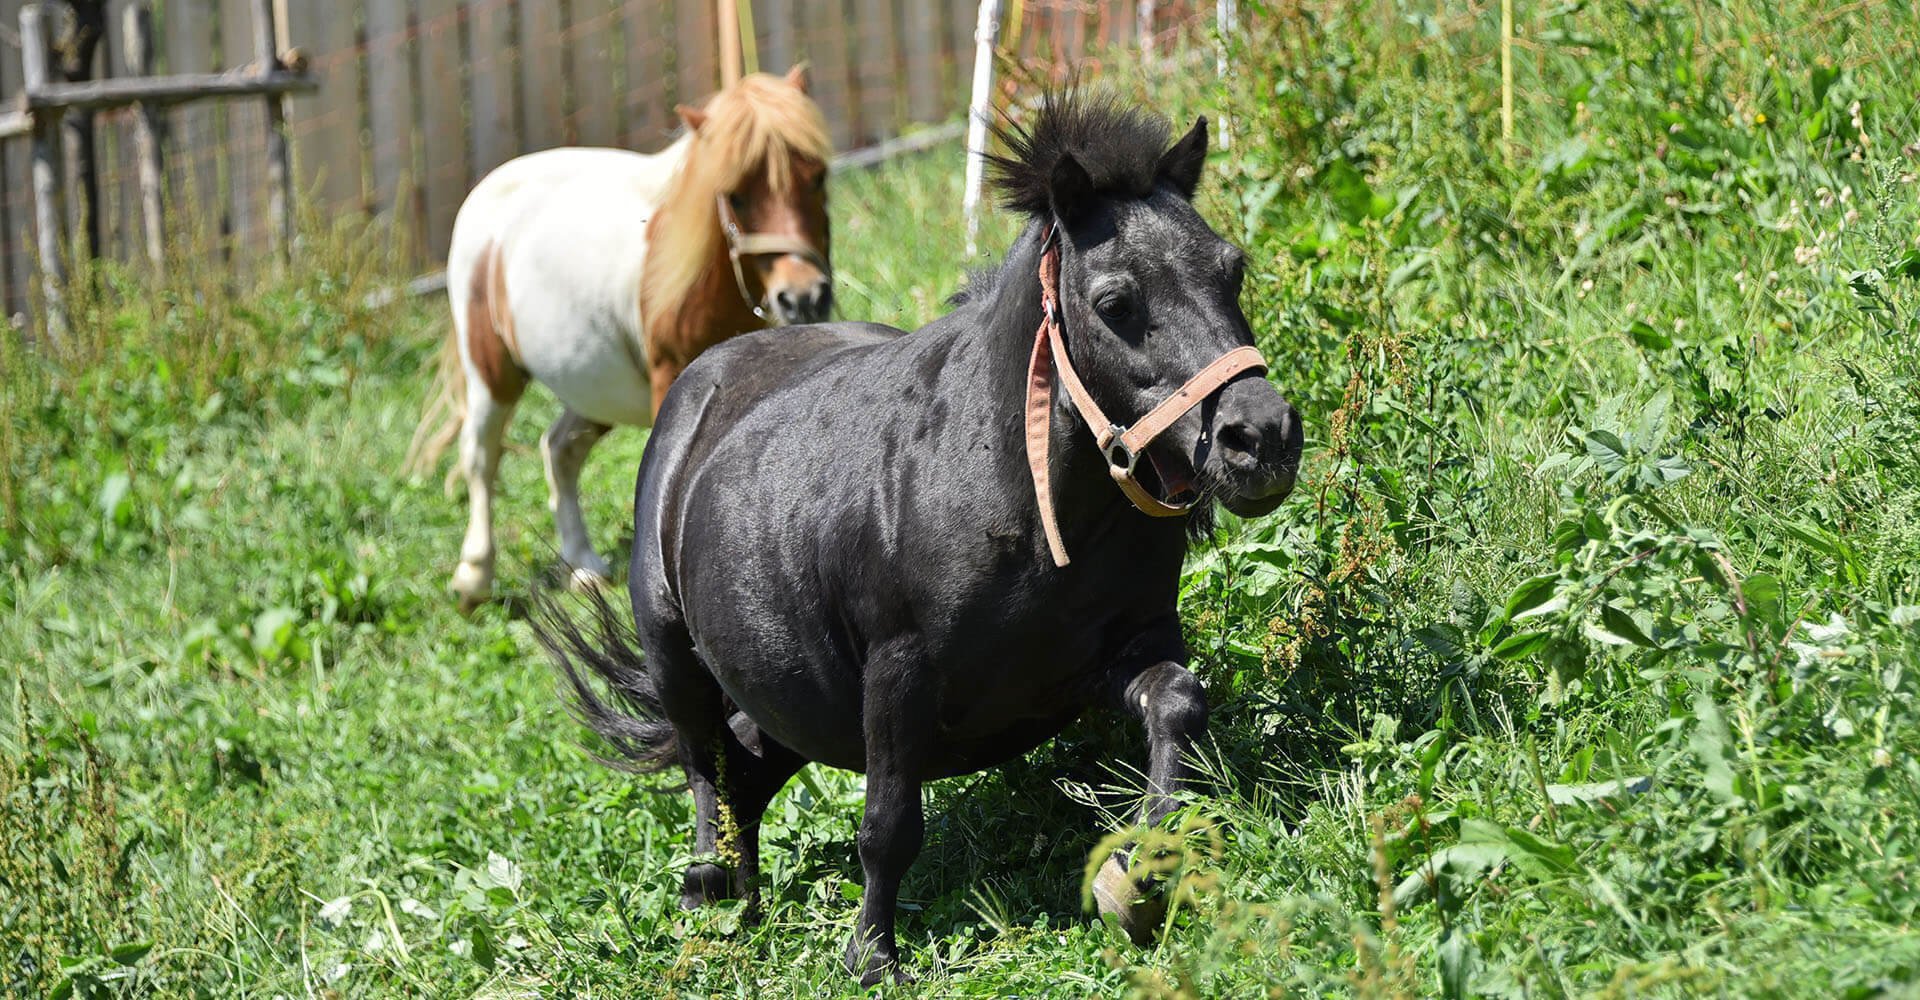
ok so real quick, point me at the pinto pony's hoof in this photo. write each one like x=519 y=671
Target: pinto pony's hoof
x=472 y=585
x=1127 y=902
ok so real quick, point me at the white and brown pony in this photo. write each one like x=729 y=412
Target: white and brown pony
x=601 y=273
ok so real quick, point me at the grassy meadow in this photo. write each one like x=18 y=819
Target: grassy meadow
x=1582 y=663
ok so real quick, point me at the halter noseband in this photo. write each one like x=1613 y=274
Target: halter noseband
x=1121 y=446
x=741 y=244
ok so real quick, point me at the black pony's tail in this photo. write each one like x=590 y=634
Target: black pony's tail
x=631 y=720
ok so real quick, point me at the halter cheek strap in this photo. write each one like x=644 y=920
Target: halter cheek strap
x=741 y=245
x=1122 y=446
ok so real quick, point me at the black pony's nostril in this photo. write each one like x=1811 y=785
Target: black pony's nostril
x=784 y=299
x=823 y=299
x=1240 y=442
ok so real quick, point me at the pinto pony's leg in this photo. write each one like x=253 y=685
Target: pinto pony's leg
x=1171 y=703
x=564 y=448
x=480 y=437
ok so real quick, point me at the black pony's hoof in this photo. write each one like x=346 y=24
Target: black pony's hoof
x=872 y=967
x=1129 y=903
x=705 y=882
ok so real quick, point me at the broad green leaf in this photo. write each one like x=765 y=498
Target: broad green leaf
x=1522 y=645
x=131 y=952
x=1595 y=791
x=1606 y=448
x=1709 y=744
x=1531 y=594
x=1621 y=624
x=1648 y=336
x=480 y=939
x=1456 y=965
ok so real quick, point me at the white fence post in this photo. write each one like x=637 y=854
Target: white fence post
x=986 y=33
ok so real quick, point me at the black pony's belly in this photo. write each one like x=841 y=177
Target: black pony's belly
x=966 y=756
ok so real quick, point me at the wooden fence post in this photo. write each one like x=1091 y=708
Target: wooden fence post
x=137 y=54
x=50 y=214
x=279 y=171
x=729 y=12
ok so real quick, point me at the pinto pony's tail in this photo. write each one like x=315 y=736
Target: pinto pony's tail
x=440 y=418
x=631 y=721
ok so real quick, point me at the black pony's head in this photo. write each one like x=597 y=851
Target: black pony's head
x=1149 y=294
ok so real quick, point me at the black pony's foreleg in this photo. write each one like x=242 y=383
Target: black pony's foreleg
x=1170 y=702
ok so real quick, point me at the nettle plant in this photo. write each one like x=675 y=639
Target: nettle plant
x=1636 y=596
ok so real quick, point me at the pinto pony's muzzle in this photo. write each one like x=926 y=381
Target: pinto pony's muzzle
x=1122 y=446
x=808 y=305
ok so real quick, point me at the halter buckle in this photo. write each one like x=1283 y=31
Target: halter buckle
x=1120 y=459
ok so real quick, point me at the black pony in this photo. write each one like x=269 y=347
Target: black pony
x=845 y=541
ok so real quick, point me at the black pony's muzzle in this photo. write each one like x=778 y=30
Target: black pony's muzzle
x=1256 y=441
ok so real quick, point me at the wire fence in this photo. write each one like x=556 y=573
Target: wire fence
x=420 y=98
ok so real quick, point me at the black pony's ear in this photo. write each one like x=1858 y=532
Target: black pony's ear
x=1180 y=165
x=1070 y=189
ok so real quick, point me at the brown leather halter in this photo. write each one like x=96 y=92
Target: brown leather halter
x=742 y=244
x=1122 y=446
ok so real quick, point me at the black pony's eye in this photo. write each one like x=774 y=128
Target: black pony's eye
x=738 y=201
x=1115 y=308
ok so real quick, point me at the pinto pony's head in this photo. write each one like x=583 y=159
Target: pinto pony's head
x=757 y=159
x=1149 y=296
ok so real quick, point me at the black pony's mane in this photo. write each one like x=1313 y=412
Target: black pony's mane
x=1119 y=147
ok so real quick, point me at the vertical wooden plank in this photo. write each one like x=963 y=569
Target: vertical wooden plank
x=774 y=18
x=597 y=66
x=49 y=215
x=277 y=176
x=446 y=166
x=390 y=111
x=962 y=18
x=649 y=97
x=923 y=63
x=325 y=127
x=823 y=35
x=541 y=85
x=243 y=138
x=492 y=65
x=16 y=243
x=119 y=166
x=188 y=48
x=137 y=47
x=876 y=62
x=696 y=52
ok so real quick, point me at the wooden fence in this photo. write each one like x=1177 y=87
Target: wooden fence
x=420 y=98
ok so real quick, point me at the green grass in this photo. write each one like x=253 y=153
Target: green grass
x=1611 y=483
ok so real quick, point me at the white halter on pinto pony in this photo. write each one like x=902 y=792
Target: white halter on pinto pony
x=1121 y=445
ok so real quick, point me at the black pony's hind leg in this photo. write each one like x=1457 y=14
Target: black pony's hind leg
x=756 y=769
x=1171 y=703
x=692 y=701
x=732 y=778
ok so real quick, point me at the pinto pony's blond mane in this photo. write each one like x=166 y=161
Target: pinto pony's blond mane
x=759 y=123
